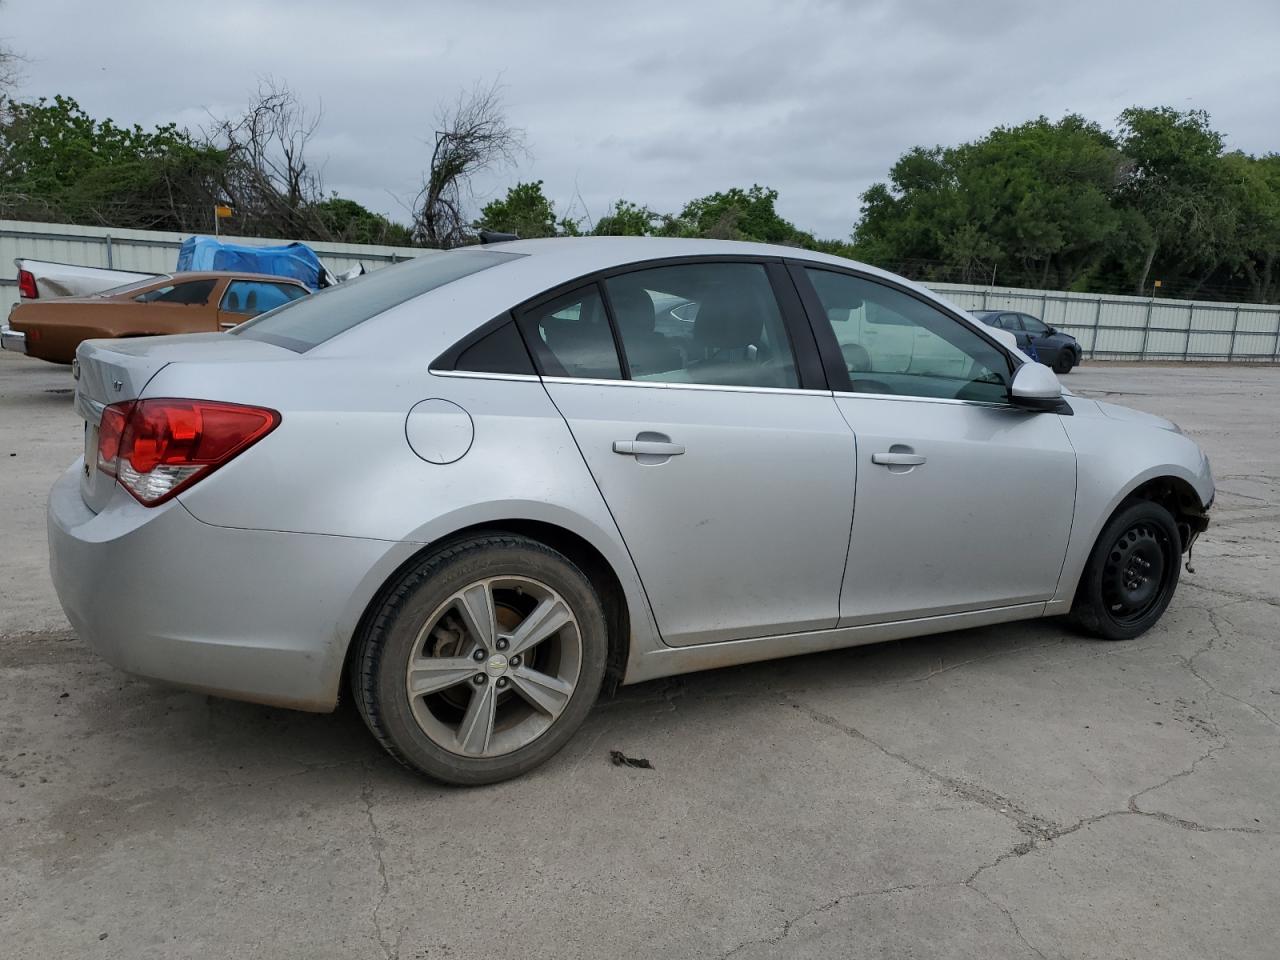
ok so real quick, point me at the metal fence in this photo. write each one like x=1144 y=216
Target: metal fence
x=1140 y=328
x=145 y=251
x=1107 y=326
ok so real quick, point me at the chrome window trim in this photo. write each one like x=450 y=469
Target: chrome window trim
x=481 y=375
x=840 y=394
x=721 y=388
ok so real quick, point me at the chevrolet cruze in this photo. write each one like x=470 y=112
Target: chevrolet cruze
x=473 y=488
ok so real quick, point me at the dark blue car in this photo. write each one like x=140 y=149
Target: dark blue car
x=1036 y=338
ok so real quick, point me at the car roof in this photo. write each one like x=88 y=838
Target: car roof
x=535 y=267
x=589 y=254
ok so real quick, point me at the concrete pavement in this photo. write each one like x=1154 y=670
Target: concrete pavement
x=1016 y=791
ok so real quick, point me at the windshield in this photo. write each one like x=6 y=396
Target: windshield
x=311 y=321
x=133 y=285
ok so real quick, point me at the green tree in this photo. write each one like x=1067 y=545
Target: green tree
x=627 y=219
x=1253 y=186
x=1177 y=182
x=524 y=211
x=55 y=157
x=1030 y=204
x=350 y=222
x=737 y=214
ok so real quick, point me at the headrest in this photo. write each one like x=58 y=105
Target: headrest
x=728 y=319
x=633 y=308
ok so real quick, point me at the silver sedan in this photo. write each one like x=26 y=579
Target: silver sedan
x=473 y=488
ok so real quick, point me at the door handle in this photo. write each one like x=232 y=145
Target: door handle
x=648 y=448
x=897 y=459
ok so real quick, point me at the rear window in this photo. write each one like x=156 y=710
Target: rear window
x=311 y=321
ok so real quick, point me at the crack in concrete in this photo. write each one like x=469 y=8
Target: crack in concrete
x=790 y=922
x=389 y=951
x=1027 y=823
x=1008 y=915
x=1037 y=829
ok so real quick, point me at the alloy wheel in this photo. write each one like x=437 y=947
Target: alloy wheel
x=494 y=666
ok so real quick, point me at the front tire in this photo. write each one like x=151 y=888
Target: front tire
x=482 y=660
x=1063 y=362
x=1131 y=574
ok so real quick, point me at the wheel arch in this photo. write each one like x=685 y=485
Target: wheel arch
x=1178 y=496
x=620 y=617
x=1174 y=487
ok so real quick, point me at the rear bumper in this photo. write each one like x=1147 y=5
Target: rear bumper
x=11 y=339
x=248 y=614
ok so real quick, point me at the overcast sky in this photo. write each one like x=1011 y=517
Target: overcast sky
x=661 y=102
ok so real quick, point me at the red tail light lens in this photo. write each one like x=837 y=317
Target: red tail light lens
x=27 y=285
x=158 y=448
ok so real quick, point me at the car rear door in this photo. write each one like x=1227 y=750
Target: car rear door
x=720 y=452
x=964 y=502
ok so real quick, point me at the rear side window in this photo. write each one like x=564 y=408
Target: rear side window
x=312 y=320
x=501 y=351
x=572 y=337
x=194 y=293
x=252 y=297
x=706 y=323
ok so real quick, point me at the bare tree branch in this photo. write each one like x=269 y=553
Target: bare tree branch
x=471 y=136
x=268 y=179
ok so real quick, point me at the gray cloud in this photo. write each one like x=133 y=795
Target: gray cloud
x=660 y=102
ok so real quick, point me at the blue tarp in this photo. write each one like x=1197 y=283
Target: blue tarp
x=295 y=260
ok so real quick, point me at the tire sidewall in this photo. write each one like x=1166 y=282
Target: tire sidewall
x=1099 y=617
x=445 y=573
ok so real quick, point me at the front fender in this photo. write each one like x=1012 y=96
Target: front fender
x=1113 y=459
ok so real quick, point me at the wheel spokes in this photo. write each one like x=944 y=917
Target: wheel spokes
x=542 y=622
x=475 y=604
x=432 y=674
x=543 y=692
x=476 y=728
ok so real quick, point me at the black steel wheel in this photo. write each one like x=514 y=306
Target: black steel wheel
x=1131 y=574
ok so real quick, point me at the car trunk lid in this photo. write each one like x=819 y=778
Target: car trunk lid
x=113 y=371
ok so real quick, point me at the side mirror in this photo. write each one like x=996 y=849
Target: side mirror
x=1035 y=387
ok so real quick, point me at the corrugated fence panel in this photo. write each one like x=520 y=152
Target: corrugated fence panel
x=1139 y=328
x=1107 y=326
x=146 y=251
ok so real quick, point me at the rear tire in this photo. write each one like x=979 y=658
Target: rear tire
x=481 y=661
x=1131 y=574
x=1063 y=362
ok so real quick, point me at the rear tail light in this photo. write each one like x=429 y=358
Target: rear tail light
x=27 y=285
x=158 y=448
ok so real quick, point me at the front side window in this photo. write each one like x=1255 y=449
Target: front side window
x=920 y=352
x=1033 y=326
x=252 y=297
x=705 y=323
x=196 y=292
x=571 y=336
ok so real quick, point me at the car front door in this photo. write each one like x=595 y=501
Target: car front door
x=1039 y=337
x=716 y=444
x=964 y=502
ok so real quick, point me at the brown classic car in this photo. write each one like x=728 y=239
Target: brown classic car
x=177 y=303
